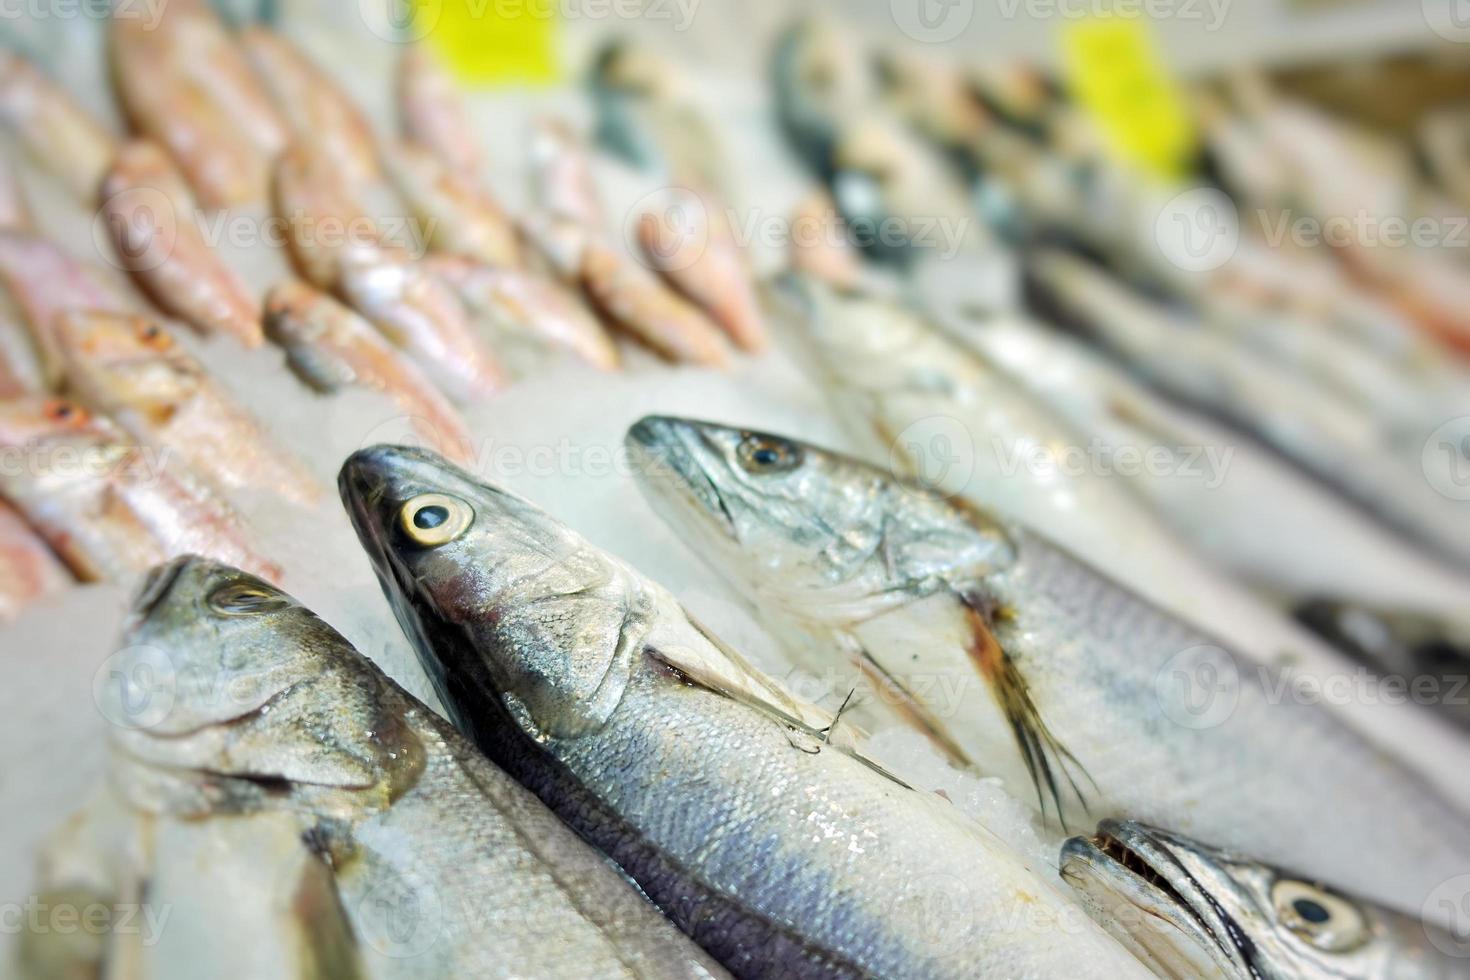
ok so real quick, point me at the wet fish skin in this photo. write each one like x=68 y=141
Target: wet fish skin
x=312 y=105
x=689 y=768
x=690 y=243
x=635 y=299
x=29 y=571
x=456 y=214
x=1188 y=909
x=132 y=370
x=398 y=814
x=150 y=213
x=44 y=281
x=433 y=114
x=109 y=508
x=1075 y=692
x=330 y=347
x=525 y=304
x=59 y=135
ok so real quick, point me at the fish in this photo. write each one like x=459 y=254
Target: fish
x=43 y=281
x=15 y=213
x=775 y=848
x=935 y=97
x=1040 y=668
x=688 y=240
x=184 y=83
x=567 y=212
x=457 y=216
x=1187 y=909
x=312 y=105
x=329 y=347
x=150 y=214
x=820 y=247
x=822 y=82
x=433 y=114
x=635 y=299
x=109 y=508
x=527 y=307
x=29 y=572
x=339 y=248
x=1340 y=441
x=408 y=854
x=20 y=364
x=58 y=135
x=131 y=369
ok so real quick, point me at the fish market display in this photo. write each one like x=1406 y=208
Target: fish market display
x=697 y=775
x=1035 y=666
x=1191 y=910
x=388 y=845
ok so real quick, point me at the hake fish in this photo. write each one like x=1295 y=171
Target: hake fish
x=1190 y=910
x=712 y=787
x=131 y=369
x=108 y=507
x=1051 y=675
x=407 y=855
x=150 y=213
x=329 y=347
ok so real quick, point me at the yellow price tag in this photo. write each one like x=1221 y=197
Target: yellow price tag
x=1115 y=71
x=491 y=42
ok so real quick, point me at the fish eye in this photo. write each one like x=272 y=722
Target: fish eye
x=432 y=519
x=244 y=599
x=1323 y=920
x=66 y=412
x=764 y=454
x=152 y=335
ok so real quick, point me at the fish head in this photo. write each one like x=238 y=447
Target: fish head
x=1192 y=910
x=37 y=422
x=231 y=694
x=800 y=524
x=120 y=359
x=495 y=592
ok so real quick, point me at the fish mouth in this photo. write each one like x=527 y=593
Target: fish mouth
x=667 y=453
x=1131 y=876
x=156 y=585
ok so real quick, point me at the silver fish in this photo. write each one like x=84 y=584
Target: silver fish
x=411 y=856
x=1189 y=910
x=1040 y=668
x=716 y=790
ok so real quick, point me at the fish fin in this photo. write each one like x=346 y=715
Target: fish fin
x=1049 y=762
x=914 y=711
x=328 y=945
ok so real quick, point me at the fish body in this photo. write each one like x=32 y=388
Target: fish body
x=822 y=82
x=527 y=306
x=1039 y=668
x=150 y=212
x=457 y=216
x=20 y=365
x=107 y=507
x=355 y=820
x=690 y=243
x=432 y=112
x=635 y=299
x=562 y=182
x=29 y=571
x=312 y=105
x=780 y=853
x=820 y=248
x=330 y=347
x=132 y=370
x=15 y=214
x=59 y=135
x=1188 y=909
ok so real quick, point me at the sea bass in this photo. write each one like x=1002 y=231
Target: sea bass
x=59 y=135
x=1190 y=910
x=132 y=370
x=410 y=857
x=329 y=347
x=780 y=853
x=1020 y=659
x=150 y=213
x=108 y=507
